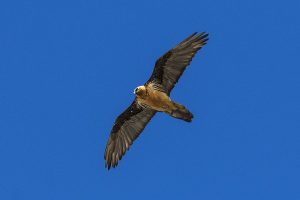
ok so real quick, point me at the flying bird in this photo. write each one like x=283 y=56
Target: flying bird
x=153 y=97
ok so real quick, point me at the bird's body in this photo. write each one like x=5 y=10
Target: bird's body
x=153 y=97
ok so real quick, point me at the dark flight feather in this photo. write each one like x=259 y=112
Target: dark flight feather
x=172 y=64
x=126 y=129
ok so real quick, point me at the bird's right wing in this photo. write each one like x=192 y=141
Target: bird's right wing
x=126 y=129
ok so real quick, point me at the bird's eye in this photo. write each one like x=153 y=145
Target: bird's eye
x=135 y=90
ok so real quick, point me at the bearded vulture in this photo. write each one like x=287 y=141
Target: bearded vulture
x=153 y=97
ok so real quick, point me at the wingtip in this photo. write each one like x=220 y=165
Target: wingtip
x=206 y=35
x=203 y=38
x=203 y=35
x=195 y=33
x=110 y=165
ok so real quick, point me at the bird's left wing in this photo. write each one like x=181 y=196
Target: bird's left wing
x=126 y=129
x=169 y=67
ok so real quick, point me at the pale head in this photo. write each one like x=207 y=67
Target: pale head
x=140 y=90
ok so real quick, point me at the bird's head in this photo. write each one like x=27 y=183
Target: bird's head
x=140 y=91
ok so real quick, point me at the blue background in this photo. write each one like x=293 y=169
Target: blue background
x=68 y=69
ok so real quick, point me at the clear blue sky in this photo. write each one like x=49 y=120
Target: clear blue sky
x=68 y=69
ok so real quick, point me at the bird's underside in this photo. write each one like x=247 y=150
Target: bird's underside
x=153 y=97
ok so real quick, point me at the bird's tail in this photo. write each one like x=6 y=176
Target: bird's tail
x=180 y=112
